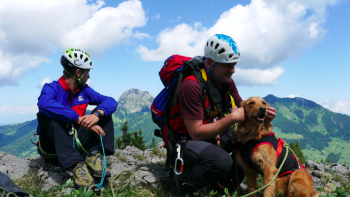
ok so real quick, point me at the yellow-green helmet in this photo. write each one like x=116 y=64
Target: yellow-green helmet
x=76 y=58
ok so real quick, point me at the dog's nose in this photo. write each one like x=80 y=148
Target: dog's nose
x=262 y=109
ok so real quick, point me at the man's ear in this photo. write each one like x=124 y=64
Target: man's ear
x=209 y=63
x=78 y=72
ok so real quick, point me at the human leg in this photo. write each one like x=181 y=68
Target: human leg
x=205 y=163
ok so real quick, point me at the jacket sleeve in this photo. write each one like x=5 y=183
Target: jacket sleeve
x=105 y=103
x=50 y=107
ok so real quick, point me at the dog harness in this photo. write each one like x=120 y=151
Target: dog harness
x=246 y=151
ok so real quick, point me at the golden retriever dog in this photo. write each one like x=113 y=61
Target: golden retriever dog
x=264 y=157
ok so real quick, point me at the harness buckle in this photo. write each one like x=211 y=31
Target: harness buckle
x=178 y=149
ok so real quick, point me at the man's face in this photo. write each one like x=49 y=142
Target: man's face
x=222 y=72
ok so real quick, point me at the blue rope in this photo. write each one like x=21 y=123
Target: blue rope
x=99 y=186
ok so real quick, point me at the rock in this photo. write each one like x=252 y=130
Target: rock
x=316 y=174
x=54 y=179
x=340 y=168
x=314 y=165
x=14 y=167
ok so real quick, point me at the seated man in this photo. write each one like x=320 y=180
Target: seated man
x=66 y=133
x=210 y=137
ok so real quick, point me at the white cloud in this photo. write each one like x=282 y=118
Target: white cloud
x=267 y=33
x=141 y=36
x=43 y=82
x=156 y=17
x=251 y=77
x=292 y=96
x=9 y=109
x=35 y=29
x=177 y=20
x=339 y=106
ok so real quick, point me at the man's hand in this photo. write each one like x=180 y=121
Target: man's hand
x=98 y=130
x=88 y=121
x=218 y=140
x=271 y=113
x=238 y=114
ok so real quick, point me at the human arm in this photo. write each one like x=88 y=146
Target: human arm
x=50 y=106
x=191 y=111
x=200 y=131
x=106 y=106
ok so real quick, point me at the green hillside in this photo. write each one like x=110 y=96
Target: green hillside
x=320 y=132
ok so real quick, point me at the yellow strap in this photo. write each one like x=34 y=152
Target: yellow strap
x=78 y=141
x=204 y=74
x=45 y=154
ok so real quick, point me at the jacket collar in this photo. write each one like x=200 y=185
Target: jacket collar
x=65 y=86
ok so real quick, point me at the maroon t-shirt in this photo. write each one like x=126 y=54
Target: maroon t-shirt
x=190 y=95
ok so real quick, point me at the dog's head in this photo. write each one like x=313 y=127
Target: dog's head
x=256 y=108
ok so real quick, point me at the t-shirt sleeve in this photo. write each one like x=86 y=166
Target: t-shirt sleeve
x=234 y=93
x=190 y=104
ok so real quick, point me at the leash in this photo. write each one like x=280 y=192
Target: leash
x=99 y=186
x=279 y=169
x=5 y=193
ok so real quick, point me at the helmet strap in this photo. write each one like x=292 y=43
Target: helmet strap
x=78 y=79
x=209 y=71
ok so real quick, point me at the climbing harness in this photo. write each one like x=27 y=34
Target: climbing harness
x=274 y=178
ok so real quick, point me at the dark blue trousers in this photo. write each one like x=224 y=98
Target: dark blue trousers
x=55 y=139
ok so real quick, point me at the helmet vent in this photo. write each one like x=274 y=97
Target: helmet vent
x=86 y=59
x=75 y=55
x=230 y=56
x=70 y=56
x=81 y=56
x=207 y=44
x=211 y=44
x=216 y=46
x=90 y=63
x=221 y=51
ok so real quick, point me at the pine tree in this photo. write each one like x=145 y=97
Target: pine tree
x=138 y=140
x=153 y=144
x=125 y=139
x=296 y=148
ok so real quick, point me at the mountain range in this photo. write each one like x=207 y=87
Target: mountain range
x=320 y=132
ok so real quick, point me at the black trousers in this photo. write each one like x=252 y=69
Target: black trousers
x=206 y=163
x=55 y=139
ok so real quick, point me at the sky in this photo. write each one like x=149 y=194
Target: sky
x=289 y=48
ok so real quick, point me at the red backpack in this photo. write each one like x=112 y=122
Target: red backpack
x=175 y=69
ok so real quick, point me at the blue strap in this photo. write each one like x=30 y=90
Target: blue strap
x=99 y=186
x=209 y=71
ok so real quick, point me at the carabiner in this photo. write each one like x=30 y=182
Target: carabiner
x=178 y=149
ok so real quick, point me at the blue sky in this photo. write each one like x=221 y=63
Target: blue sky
x=288 y=48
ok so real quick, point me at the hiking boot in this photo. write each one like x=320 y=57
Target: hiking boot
x=94 y=161
x=82 y=176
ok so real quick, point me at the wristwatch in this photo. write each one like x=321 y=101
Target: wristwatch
x=98 y=114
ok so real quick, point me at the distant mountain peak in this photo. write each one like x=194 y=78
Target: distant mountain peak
x=135 y=100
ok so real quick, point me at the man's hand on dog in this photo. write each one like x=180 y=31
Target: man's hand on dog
x=238 y=114
x=271 y=113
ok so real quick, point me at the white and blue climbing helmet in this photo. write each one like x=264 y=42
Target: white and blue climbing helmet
x=222 y=48
x=76 y=58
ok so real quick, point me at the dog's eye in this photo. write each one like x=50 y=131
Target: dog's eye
x=264 y=103
x=251 y=103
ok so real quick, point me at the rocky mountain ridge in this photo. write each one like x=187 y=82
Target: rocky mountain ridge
x=135 y=100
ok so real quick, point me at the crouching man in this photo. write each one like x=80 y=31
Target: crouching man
x=66 y=133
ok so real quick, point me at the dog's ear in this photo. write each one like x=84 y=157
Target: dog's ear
x=242 y=103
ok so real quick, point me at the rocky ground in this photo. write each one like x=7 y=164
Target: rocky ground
x=149 y=169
